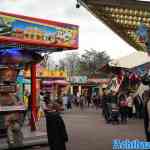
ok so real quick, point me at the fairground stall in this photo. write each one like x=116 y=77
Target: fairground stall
x=22 y=40
x=127 y=72
x=129 y=19
x=53 y=82
x=82 y=85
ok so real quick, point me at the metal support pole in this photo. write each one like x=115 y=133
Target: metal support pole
x=33 y=97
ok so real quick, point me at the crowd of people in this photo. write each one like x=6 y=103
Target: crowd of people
x=116 y=107
x=80 y=101
x=119 y=107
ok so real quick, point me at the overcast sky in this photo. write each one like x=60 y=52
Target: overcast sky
x=93 y=33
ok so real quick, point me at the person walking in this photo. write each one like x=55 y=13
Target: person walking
x=123 y=107
x=138 y=106
x=96 y=101
x=88 y=100
x=113 y=107
x=105 y=106
x=130 y=105
x=69 y=103
x=42 y=105
x=81 y=102
x=56 y=130
x=113 y=97
x=147 y=114
x=78 y=99
x=65 y=101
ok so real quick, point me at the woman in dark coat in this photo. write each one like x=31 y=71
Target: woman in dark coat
x=56 y=130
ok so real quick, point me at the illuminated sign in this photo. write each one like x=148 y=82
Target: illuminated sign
x=34 y=31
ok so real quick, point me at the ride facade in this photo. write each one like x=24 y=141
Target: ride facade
x=22 y=40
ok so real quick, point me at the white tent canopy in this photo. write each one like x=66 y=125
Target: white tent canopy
x=131 y=61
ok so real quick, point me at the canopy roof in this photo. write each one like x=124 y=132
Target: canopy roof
x=14 y=56
x=130 y=19
x=131 y=61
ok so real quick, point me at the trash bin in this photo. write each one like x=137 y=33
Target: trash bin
x=56 y=131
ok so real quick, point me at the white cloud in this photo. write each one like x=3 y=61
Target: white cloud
x=93 y=33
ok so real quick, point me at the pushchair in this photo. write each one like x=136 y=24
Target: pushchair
x=114 y=113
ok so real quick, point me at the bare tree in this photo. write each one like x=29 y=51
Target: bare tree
x=70 y=63
x=91 y=61
x=87 y=64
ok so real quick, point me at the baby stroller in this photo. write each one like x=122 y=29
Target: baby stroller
x=114 y=113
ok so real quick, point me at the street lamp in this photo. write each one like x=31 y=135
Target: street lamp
x=78 y=4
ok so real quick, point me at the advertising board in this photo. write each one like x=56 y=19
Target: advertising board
x=39 y=32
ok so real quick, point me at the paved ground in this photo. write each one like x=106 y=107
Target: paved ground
x=87 y=131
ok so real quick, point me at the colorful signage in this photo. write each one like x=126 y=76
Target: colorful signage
x=114 y=85
x=45 y=73
x=143 y=37
x=34 y=31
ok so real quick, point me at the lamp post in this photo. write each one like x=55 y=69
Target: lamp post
x=78 y=4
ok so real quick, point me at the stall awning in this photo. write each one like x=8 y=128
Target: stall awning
x=98 y=81
x=59 y=82
x=131 y=61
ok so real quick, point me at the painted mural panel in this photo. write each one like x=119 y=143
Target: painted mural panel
x=34 y=30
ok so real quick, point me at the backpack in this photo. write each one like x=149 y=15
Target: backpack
x=123 y=103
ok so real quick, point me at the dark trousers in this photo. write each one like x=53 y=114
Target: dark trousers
x=147 y=136
x=106 y=114
x=123 y=116
x=130 y=112
x=60 y=146
x=89 y=102
x=139 y=112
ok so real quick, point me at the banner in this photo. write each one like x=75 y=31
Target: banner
x=34 y=31
x=114 y=85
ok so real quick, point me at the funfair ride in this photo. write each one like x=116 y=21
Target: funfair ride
x=22 y=40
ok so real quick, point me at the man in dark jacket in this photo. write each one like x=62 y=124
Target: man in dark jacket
x=138 y=106
x=147 y=114
x=56 y=131
x=105 y=108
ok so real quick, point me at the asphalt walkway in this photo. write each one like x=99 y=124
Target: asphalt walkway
x=88 y=131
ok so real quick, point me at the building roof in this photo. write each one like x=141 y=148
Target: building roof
x=131 y=61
